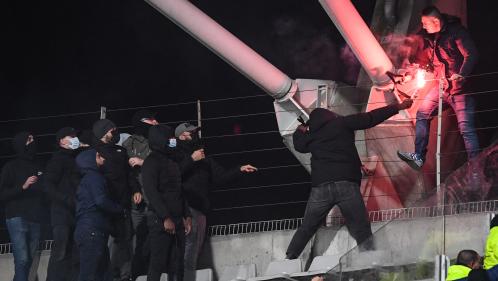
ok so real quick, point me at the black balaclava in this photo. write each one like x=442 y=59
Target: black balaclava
x=141 y=128
x=115 y=137
x=159 y=137
x=319 y=117
x=20 y=147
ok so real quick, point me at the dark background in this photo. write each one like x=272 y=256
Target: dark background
x=64 y=57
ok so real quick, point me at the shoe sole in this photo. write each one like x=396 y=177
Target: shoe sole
x=410 y=162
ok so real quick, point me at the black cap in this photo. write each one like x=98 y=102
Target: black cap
x=105 y=151
x=101 y=127
x=64 y=132
x=142 y=114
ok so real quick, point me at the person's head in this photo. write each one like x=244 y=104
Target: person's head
x=66 y=138
x=105 y=131
x=431 y=19
x=162 y=138
x=24 y=144
x=469 y=258
x=142 y=120
x=186 y=131
x=319 y=117
x=103 y=152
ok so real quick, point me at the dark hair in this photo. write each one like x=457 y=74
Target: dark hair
x=466 y=257
x=432 y=11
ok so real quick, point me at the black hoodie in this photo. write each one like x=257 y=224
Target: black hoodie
x=162 y=178
x=94 y=208
x=61 y=182
x=18 y=202
x=199 y=176
x=331 y=141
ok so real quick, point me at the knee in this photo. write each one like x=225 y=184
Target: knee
x=423 y=114
x=22 y=259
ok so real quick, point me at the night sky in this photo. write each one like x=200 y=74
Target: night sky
x=63 y=57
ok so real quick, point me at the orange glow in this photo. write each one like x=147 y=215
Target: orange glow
x=420 y=76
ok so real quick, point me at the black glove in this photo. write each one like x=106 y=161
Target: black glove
x=301 y=120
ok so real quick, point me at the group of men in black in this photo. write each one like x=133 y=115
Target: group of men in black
x=155 y=184
x=117 y=211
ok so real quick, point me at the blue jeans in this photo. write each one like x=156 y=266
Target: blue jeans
x=94 y=254
x=462 y=105
x=25 y=237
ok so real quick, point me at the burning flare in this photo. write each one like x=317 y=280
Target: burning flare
x=420 y=77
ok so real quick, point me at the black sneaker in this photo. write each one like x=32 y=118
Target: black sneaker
x=412 y=159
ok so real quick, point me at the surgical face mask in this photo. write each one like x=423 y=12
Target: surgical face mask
x=74 y=143
x=172 y=143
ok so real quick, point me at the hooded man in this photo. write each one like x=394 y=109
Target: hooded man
x=94 y=210
x=138 y=149
x=21 y=193
x=197 y=178
x=122 y=187
x=61 y=181
x=168 y=215
x=335 y=171
x=448 y=51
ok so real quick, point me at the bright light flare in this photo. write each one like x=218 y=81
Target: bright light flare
x=420 y=78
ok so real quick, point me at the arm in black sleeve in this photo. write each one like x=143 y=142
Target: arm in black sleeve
x=468 y=49
x=133 y=181
x=8 y=190
x=52 y=177
x=301 y=138
x=370 y=119
x=186 y=209
x=150 y=178
x=98 y=190
x=220 y=175
x=186 y=163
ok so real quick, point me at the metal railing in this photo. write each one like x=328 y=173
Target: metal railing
x=374 y=216
x=291 y=224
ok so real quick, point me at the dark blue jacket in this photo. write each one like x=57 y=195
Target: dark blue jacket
x=93 y=206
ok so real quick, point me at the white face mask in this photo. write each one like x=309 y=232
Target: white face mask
x=172 y=143
x=74 y=143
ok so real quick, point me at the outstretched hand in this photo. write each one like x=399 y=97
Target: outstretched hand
x=405 y=104
x=248 y=169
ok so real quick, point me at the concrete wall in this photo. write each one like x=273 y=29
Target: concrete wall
x=400 y=242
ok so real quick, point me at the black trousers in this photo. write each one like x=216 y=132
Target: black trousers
x=166 y=250
x=63 y=264
x=322 y=198
x=121 y=248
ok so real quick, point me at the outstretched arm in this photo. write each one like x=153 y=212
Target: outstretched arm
x=370 y=119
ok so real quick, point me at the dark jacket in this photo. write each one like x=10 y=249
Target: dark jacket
x=18 y=202
x=94 y=208
x=331 y=141
x=162 y=177
x=451 y=50
x=137 y=146
x=61 y=182
x=199 y=176
x=120 y=178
